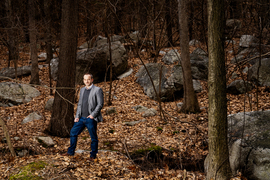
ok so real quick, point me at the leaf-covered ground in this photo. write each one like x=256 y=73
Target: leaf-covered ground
x=182 y=137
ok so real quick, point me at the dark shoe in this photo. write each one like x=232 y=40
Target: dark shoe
x=92 y=159
x=66 y=154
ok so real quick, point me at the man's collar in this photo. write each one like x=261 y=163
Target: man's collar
x=89 y=87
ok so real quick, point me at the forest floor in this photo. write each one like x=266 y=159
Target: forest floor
x=124 y=151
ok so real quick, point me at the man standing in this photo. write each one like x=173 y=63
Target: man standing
x=88 y=115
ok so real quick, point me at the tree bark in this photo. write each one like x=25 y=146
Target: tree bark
x=218 y=157
x=33 y=43
x=49 y=52
x=168 y=17
x=63 y=109
x=190 y=102
x=2 y=123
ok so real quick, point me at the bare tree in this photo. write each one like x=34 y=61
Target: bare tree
x=218 y=157
x=190 y=102
x=33 y=42
x=63 y=109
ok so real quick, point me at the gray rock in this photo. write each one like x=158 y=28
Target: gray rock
x=16 y=138
x=199 y=66
x=162 y=52
x=85 y=45
x=248 y=41
x=197 y=86
x=179 y=105
x=199 y=51
x=21 y=71
x=54 y=68
x=238 y=58
x=144 y=80
x=3 y=105
x=111 y=110
x=31 y=117
x=49 y=104
x=239 y=87
x=171 y=57
x=17 y=93
x=252 y=153
x=126 y=74
x=245 y=70
x=149 y=112
x=100 y=41
x=194 y=42
x=140 y=108
x=234 y=75
x=230 y=42
x=132 y=123
x=264 y=73
x=134 y=36
x=95 y=60
x=48 y=141
x=22 y=153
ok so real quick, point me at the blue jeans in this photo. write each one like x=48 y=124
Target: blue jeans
x=77 y=128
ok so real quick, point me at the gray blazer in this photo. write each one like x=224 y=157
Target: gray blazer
x=95 y=101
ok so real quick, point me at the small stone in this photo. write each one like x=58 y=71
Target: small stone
x=22 y=153
x=16 y=138
x=111 y=110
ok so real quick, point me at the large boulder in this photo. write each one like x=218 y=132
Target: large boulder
x=264 y=72
x=199 y=66
x=169 y=86
x=17 y=93
x=100 y=41
x=250 y=144
x=245 y=53
x=247 y=41
x=10 y=72
x=239 y=87
x=154 y=71
x=96 y=60
x=171 y=57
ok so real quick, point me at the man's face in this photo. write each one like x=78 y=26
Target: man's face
x=87 y=80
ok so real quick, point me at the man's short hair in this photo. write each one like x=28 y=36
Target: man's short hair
x=89 y=75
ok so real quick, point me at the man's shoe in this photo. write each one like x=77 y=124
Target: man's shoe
x=66 y=154
x=92 y=159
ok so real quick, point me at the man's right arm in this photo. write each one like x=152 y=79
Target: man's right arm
x=78 y=107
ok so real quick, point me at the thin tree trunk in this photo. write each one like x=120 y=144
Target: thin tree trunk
x=33 y=43
x=2 y=123
x=218 y=157
x=190 y=102
x=63 y=108
x=49 y=52
x=168 y=18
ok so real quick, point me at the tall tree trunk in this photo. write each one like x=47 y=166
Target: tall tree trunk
x=190 y=102
x=33 y=43
x=12 y=43
x=218 y=157
x=89 y=22
x=168 y=18
x=143 y=18
x=63 y=109
x=48 y=22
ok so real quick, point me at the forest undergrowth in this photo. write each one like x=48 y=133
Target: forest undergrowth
x=173 y=147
